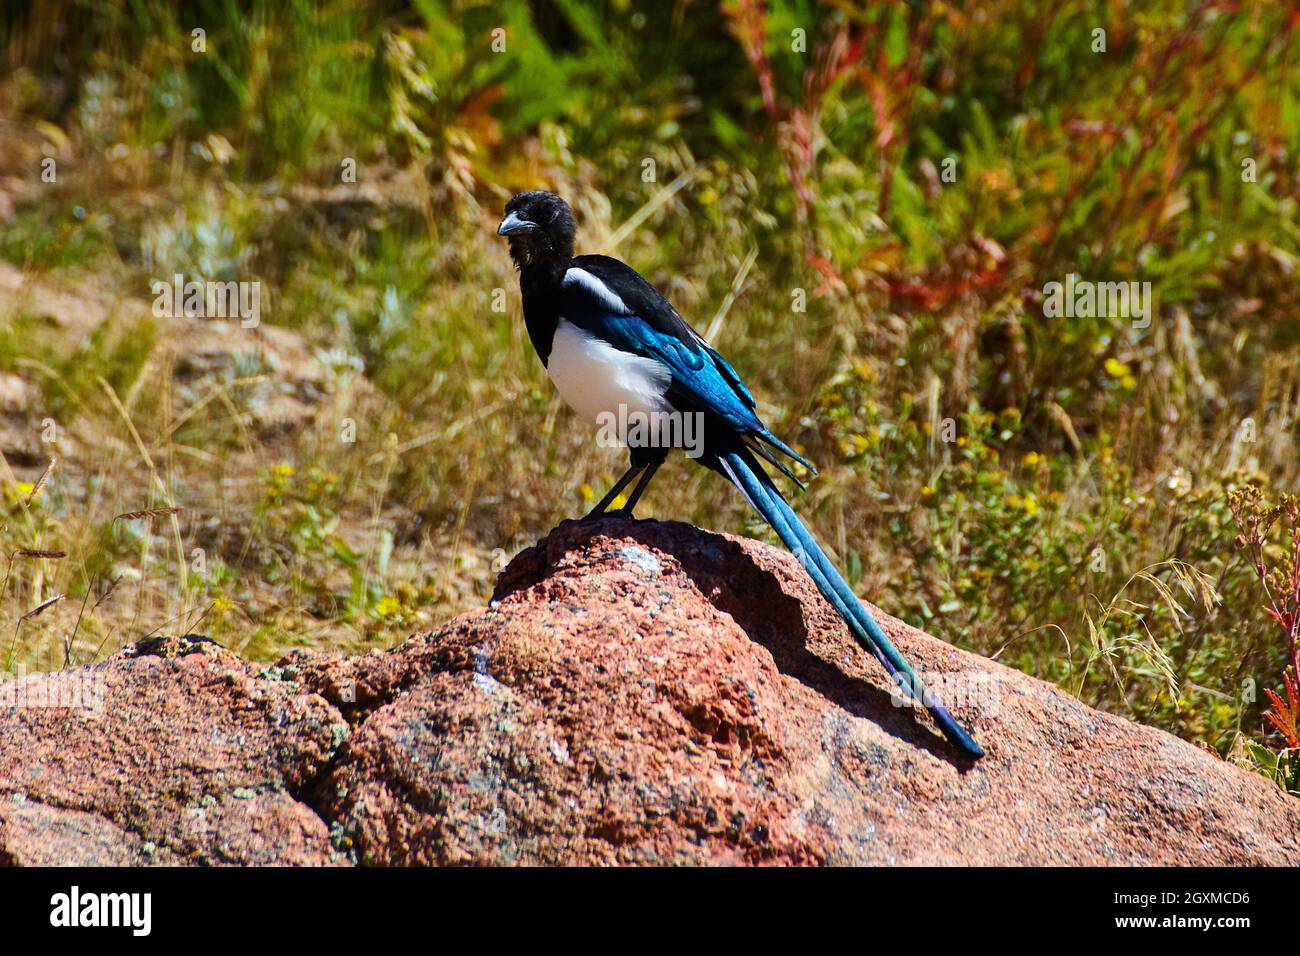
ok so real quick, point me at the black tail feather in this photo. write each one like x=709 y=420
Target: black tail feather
x=767 y=455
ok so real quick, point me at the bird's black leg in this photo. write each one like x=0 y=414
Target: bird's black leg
x=614 y=492
x=649 y=473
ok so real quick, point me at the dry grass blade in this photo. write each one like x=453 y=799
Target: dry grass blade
x=737 y=283
x=37 y=553
x=43 y=480
x=648 y=208
x=147 y=513
x=159 y=484
x=1062 y=418
x=109 y=593
x=1111 y=651
x=42 y=607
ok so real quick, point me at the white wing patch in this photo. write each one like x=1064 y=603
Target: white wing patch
x=594 y=377
x=595 y=287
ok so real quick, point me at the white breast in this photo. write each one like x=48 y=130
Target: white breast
x=594 y=377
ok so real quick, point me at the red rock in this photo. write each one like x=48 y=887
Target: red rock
x=650 y=693
x=181 y=754
x=638 y=693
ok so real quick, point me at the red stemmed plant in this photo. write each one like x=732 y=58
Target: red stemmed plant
x=1279 y=573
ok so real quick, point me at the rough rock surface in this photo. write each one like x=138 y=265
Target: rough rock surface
x=176 y=752
x=637 y=692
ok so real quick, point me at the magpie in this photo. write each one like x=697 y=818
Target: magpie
x=615 y=347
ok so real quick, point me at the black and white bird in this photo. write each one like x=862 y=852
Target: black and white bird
x=615 y=347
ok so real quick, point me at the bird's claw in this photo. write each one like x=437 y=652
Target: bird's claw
x=593 y=515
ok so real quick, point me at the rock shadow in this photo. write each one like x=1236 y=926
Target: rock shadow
x=731 y=580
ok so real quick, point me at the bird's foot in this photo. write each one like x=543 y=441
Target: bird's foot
x=594 y=515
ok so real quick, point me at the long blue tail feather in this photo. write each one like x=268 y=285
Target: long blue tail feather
x=757 y=487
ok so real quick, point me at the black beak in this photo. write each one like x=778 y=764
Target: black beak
x=512 y=225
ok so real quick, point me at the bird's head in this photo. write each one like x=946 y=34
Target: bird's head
x=540 y=228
